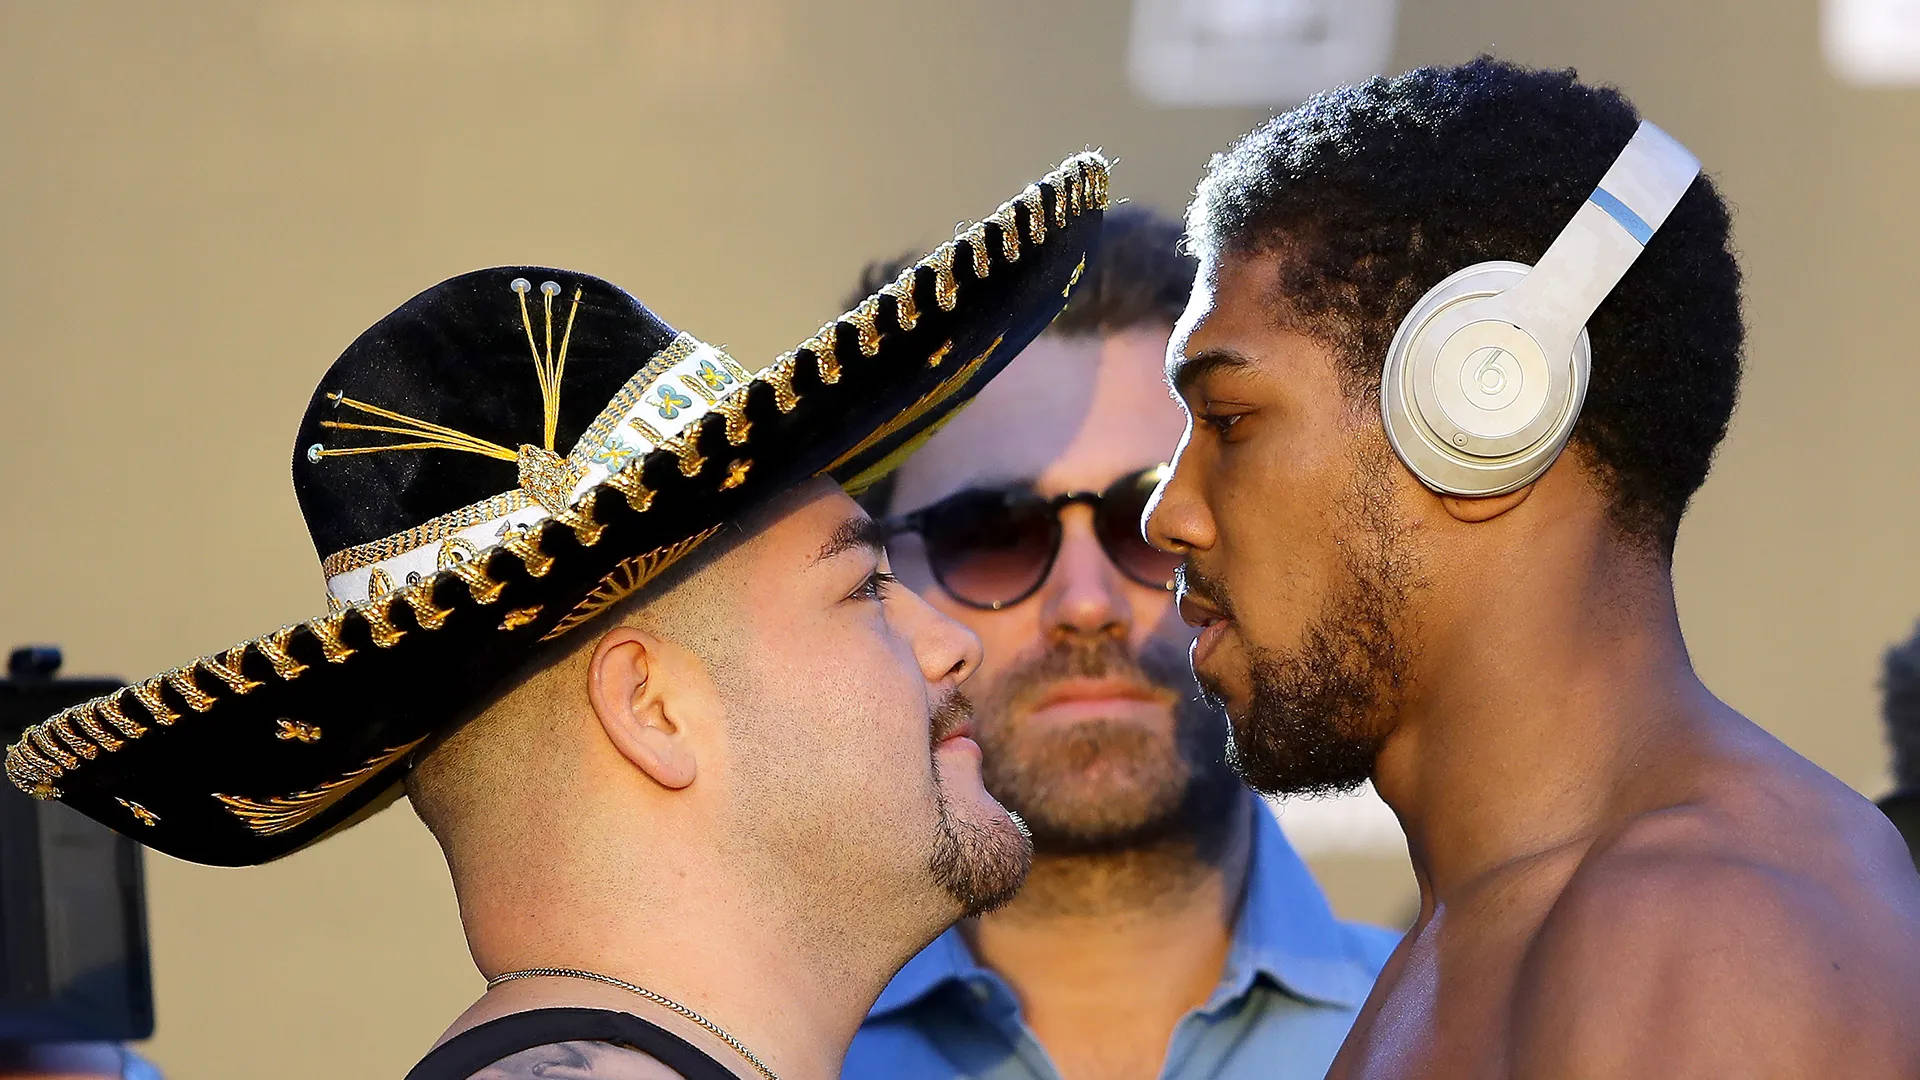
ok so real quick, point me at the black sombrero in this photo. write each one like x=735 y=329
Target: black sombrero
x=467 y=509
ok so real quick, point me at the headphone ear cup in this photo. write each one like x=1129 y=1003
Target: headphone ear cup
x=1471 y=403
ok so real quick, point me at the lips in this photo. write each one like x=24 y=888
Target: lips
x=1079 y=691
x=1213 y=623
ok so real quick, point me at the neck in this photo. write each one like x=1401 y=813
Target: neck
x=790 y=988
x=1523 y=725
x=1138 y=936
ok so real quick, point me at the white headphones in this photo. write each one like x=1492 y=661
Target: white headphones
x=1485 y=377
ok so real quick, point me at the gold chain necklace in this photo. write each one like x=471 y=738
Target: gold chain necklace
x=658 y=999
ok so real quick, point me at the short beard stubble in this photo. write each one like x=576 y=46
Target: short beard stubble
x=980 y=864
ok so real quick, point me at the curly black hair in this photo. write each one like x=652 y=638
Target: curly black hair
x=1366 y=196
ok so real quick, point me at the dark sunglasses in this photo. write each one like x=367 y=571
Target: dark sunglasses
x=992 y=548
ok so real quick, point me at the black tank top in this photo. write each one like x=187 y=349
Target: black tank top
x=470 y=1051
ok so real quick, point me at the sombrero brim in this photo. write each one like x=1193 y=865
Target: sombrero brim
x=244 y=756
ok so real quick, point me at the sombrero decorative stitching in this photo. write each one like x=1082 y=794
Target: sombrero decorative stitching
x=457 y=535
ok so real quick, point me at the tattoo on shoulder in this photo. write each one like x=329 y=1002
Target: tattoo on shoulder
x=578 y=1060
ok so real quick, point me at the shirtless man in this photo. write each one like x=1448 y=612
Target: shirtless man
x=1620 y=876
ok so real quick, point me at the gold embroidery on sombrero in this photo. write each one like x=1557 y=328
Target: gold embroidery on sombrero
x=627 y=578
x=227 y=670
x=865 y=321
x=629 y=395
x=453 y=551
x=327 y=632
x=148 y=695
x=181 y=680
x=1009 y=223
x=43 y=739
x=380 y=626
x=62 y=728
x=686 y=448
x=520 y=617
x=779 y=375
x=1036 y=213
x=579 y=517
x=429 y=615
x=734 y=409
x=1067 y=292
x=83 y=719
x=524 y=544
x=946 y=289
x=736 y=474
x=109 y=707
x=274 y=648
x=140 y=813
x=823 y=346
x=485 y=590
x=296 y=731
x=906 y=312
x=379 y=583
x=430 y=436
x=283 y=813
x=425 y=533
x=927 y=403
x=627 y=482
x=976 y=241
x=940 y=354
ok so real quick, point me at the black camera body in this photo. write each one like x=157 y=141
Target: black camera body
x=73 y=919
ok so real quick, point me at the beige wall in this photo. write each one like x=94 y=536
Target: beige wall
x=200 y=210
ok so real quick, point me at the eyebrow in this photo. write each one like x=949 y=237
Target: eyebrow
x=853 y=533
x=1184 y=371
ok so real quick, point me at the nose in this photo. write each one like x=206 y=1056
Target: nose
x=1177 y=519
x=1083 y=594
x=946 y=650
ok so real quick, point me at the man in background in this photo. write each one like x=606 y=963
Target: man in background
x=1167 y=928
x=1901 y=710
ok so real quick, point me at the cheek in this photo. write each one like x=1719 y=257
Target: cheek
x=1280 y=546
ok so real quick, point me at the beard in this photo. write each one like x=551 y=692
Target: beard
x=1318 y=713
x=1102 y=786
x=980 y=864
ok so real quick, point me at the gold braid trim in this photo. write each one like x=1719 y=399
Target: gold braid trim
x=779 y=375
x=826 y=358
x=628 y=483
x=380 y=626
x=62 y=728
x=110 y=712
x=946 y=290
x=579 y=516
x=227 y=670
x=865 y=321
x=525 y=546
x=428 y=614
x=41 y=738
x=327 y=631
x=84 y=720
x=274 y=648
x=733 y=408
x=906 y=311
x=148 y=695
x=1036 y=213
x=427 y=532
x=485 y=590
x=181 y=679
x=1009 y=224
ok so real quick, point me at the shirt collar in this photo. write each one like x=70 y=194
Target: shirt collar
x=1284 y=932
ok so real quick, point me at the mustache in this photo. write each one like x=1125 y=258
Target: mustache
x=953 y=712
x=1159 y=664
x=1188 y=580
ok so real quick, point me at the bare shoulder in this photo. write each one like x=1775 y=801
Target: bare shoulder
x=577 y=1060
x=1769 y=929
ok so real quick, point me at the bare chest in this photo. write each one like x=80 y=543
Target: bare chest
x=1444 y=1003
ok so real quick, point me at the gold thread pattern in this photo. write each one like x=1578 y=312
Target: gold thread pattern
x=62 y=728
x=779 y=375
x=580 y=519
x=83 y=719
x=625 y=579
x=976 y=240
x=927 y=403
x=1058 y=190
x=1036 y=214
x=736 y=474
x=1009 y=224
x=295 y=731
x=431 y=436
x=946 y=289
x=681 y=347
x=428 y=614
x=733 y=408
x=455 y=550
x=109 y=708
x=379 y=583
x=181 y=679
x=1067 y=292
x=425 y=533
x=43 y=739
x=627 y=482
x=525 y=546
x=687 y=450
x=327 y=632
x=148 y=695
x=940 y=354
x=698 y=387
x=380 y=626
x=520 y=617
x=547 y=476
x=485 y=590
x=140 y=813
x=826 y=357
x=283 y=813
x=274 y=648
x=865 y=320
x=227 y=670
x=906 y=311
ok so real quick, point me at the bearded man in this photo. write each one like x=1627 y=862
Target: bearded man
x=701 y=774
x=1399 y=576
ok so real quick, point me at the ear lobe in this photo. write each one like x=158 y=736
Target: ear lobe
x=1486 y=508
x=633 y=708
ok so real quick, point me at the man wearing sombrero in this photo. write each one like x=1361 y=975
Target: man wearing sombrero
x=601 y=605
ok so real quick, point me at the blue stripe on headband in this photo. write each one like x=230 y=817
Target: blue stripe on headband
x=1619 y=211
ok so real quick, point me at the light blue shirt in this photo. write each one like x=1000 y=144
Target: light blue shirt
x=1295 y=978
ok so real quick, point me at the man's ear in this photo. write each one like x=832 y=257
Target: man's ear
x=626 y=690
x=1473 y=511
